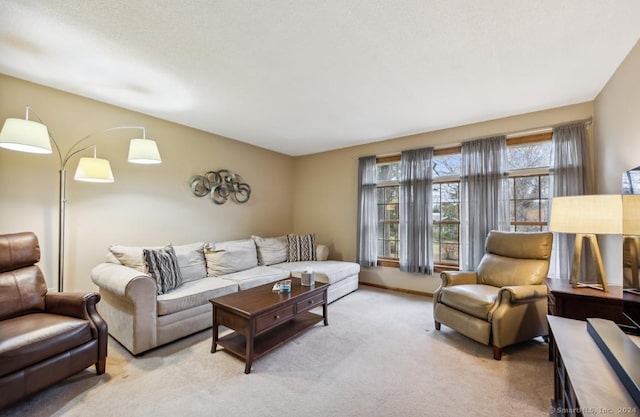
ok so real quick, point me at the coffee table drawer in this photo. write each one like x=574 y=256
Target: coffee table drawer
x=310 y=303
x=273 y=318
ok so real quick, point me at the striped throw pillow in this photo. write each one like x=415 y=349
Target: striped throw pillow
x=162 y=265
x=301 y=247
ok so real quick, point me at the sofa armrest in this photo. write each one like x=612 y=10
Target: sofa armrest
x=81 y=306
x=72 y=304
x=129 y=303
x=322 y=252
x=451 y=278
x=122 y=280
x=522 y=293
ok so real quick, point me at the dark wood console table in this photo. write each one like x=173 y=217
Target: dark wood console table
x=584 y=382
x=584 y=303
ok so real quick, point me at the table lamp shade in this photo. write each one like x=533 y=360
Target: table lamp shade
x=592 y=214
x=631 y=214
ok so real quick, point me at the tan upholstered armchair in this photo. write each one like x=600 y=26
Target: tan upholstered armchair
x=505 y=301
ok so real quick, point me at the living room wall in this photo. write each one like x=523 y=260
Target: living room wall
x=325 y=187
x=147 y=205
x=617 y=128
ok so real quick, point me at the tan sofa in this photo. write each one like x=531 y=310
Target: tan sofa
x=140 y=319
x=504 y=301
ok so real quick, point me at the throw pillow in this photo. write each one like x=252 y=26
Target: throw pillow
x=301 y=247
x=130 y=256
x=191 y=261
x=271 y=250
x=228 y=257
x=162 y=265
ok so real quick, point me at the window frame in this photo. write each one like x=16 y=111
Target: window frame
x=528 y=173
x=383 y=260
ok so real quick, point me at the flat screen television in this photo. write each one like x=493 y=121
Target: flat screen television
x=631 y=257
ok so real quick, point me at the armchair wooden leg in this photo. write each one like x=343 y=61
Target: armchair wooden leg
x=437 y=325
x=497 y=353
x=101 y=366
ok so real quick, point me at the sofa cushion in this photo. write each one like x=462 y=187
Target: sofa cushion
x=228 y=257
x=53 y=333
x=193 y=294
x=474 y=299
x=162 y=265
x=190 y=258
x=325 y=271
x=257 y=276
x=301 y=247
x=271 y=250
x=191 y=261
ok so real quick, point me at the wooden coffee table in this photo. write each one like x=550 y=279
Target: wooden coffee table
x=263 y=319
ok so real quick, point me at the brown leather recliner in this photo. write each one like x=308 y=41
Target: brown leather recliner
x=44 y=338
x=504 y=301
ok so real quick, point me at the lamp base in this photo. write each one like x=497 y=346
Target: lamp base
x=575 y=266
x=594 y=286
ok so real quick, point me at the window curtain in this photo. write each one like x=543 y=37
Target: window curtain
x=367 y=248
x=570 y=174
x=416 y=228
x=484 y=196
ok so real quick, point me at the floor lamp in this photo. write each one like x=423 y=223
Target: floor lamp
x=587 y=216
x=26 y=135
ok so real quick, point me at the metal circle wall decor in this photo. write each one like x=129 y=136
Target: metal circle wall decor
x=221 y=186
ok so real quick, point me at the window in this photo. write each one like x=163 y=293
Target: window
x=446 y=209
x=529 y=199
x=528 y=162
x=387 y=196
x=446 y=223
x=529 y=186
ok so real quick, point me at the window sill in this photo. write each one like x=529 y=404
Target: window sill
x=395 y=263
x=390 y=262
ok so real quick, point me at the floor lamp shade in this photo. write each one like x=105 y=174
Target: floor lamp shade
x=587 y=216
x=94 y=170
x=25 y=136
x=144 y=151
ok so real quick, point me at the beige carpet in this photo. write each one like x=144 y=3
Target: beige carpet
x=379 y=356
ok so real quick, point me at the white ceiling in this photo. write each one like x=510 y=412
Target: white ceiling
x=305 y=76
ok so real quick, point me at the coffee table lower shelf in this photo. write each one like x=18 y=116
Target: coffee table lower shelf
x=264 y=343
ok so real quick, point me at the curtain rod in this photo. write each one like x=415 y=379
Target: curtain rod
x=522 y=132
x=532 y=130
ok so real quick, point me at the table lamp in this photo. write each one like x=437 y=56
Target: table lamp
x=587 y=216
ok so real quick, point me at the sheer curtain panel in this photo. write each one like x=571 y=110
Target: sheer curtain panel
x=367 y=212
x=484 y=196
x=570 y=175
x=416 y=249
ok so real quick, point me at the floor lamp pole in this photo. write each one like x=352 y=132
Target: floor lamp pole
x=61 y=227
